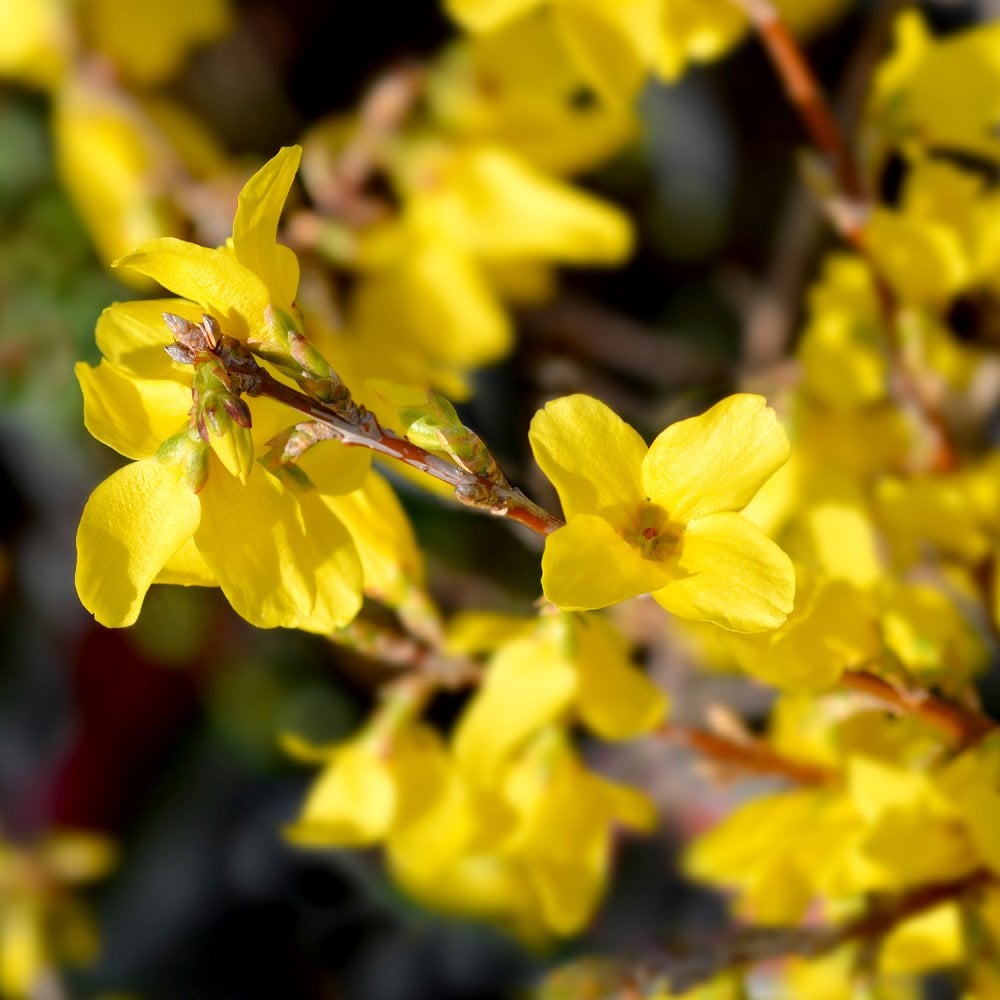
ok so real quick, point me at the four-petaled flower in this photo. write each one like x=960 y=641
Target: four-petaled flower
x=663 y=519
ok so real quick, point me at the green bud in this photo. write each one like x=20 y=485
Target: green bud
x=191 y=453
x=431 y=422
x=223 y=419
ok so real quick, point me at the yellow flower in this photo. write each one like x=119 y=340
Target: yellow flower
x=200 y=512
x=566 y=816
x=149 y=42
x=939 y=94
x=35 y=41
x=517 y=88
x=279 y=553
x=570 y=666
x=41 y=924
x=118 y=158
x=662 y=519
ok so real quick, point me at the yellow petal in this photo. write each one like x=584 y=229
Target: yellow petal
x=716 y=461
x=698 y=30
x=732 y=574
x=529 y=683
x=150 y=42
x=186 y=568
x=133 y=335
x=588 y=565
x=132 y=524
x=78 y=856
x=133 y=416
x=282 y=559
x=35 y=39
x=214 y=279
x=484 y=15
x=591 y=456
x=602 y=38
x=614 y=698
x=497 y=207
x=930 y=940
x=390 y=558
x=471 y=632
x=23 y=955
x=436 y=302
x=351 y=804
x=255 y=228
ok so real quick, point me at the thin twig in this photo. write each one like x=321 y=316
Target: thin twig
x=848 y=212
x=752 y=946
x=962 y=725
x=750 y=756
x=355 y=426
x=805 y=93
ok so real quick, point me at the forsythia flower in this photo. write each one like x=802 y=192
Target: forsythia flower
x=663 y=519
x=192 y=512
x=615 y=44
x=41 y=923
x=567 y=666
x=943 y=94
x=118 y=159
x=532 y=853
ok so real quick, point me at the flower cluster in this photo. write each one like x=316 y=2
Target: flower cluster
x=840 y=545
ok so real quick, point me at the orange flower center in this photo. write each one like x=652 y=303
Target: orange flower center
x=652 y=532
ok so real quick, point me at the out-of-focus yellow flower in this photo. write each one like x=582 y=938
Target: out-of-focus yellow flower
x=938 y=93
x=662 y=519
x=119 y=160
x=36 y=39
x=900 y=814
x=148 y=43
x=517 y=88
x=571 y=666
x=474 y=221
x=42 y=924
x=615 y=45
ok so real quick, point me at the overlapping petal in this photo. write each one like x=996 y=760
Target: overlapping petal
x=528 y=684
x=716 y=461
x=613 y=697
x=590 y=455
x=214 y=279
x=133 y=416
x=297 y=566
x=588 y=565
x=729 y=572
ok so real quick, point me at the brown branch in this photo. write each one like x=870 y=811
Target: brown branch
x=847 y=213
x=962 y=725
x=805 y=93
x=750 y=756
x=752 y=946
x=355 y=426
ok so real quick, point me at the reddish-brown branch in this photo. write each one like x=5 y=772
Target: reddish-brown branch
x=847 y=214
x=356 y=427
x=806 y=95
x=964 y=726
x=751 y=756
x=880 y=920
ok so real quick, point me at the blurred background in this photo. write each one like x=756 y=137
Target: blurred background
x=164 y=736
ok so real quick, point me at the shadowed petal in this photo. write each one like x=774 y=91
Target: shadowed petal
x=732 y=574
x=132 y=524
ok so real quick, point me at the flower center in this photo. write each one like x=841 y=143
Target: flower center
x=652 y=532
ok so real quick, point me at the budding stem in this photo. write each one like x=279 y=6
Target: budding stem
x=355 y=426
